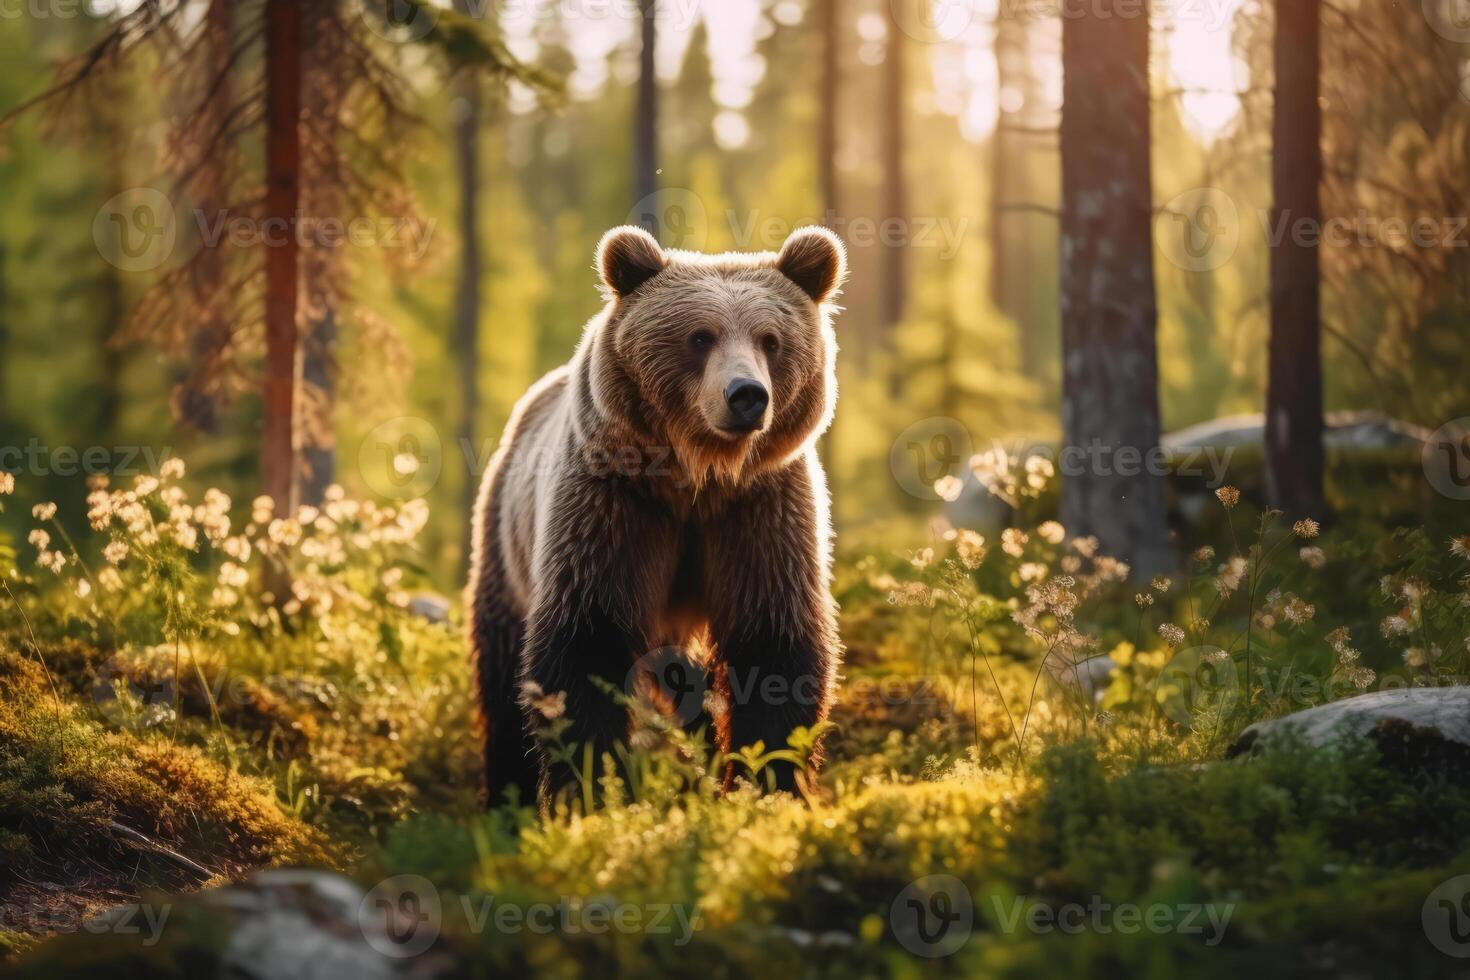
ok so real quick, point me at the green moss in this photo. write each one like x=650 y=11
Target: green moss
x=70 y=792
x=344 y=735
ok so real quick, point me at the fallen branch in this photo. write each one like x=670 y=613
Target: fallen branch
x=148 y=844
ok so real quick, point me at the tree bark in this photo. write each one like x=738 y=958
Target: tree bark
x=107 y=398
x=467 y=297
x=282 y=198
x=318 y=271
x=1294 y=455
x=195 y=402
x=1006 y=291
x=826 y=24
x=318 y=366
x=645 y=122
x=827 y=94
x=893 y=298
x=5 y=361
x=1112 y=487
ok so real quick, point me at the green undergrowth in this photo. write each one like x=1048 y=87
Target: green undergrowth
x=168 y=726
x=102 y=811
x=1311 y=861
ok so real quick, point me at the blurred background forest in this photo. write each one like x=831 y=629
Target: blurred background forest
x=315 y=251
x=485 y=192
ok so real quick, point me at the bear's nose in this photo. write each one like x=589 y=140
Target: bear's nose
x=747 y=400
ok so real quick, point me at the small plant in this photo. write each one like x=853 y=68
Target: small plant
x=161 y=615
x=1238 y=640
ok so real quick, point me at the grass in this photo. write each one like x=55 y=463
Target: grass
x=225 y=732
x=97 y=814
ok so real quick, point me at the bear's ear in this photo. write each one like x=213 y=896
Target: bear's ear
x=815 y=260
x=627 y=257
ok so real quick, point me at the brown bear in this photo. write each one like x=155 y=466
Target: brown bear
x=663 y=489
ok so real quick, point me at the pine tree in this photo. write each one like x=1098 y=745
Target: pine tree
x=1294 y=460
x=1110 y=413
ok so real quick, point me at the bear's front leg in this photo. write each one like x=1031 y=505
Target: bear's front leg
x=580 y=650
x=606 y=565
x=772 y=619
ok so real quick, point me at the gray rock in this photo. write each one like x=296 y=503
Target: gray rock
x=430 y=606
x=1356 y=430
x=280 y=924
x=298 y=924
x=1412 y=727
x=1090 y=675
x=977 y=508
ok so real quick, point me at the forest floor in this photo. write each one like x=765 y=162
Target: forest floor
x=975 y=814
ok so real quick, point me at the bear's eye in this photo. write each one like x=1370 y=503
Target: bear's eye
x=770 y=343
x=701 y=340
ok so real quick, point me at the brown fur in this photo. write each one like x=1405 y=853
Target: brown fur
x=619 y=516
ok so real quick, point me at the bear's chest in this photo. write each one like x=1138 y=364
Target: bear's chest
x=684 y=616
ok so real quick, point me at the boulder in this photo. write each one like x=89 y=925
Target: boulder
x=303 y=924
x=977 y=508
x=275 y=924
x=1416 y=727
x=430 y=606
x=1354 y=430
x=1090 y=675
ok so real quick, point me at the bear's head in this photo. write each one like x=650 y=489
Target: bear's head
x=728 y=360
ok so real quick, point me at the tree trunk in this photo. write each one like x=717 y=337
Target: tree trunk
x=318 y=366
x=645 y=122
x=194 y=403
x=894 y=278
x=282 y=197
x=1006 y=292
x=107 y=398
x=1112 y=487
x=466 y=120
x=827 y=92
x=318 y=271
x=5 y=361
x=827 y=109
x=1294 y=457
